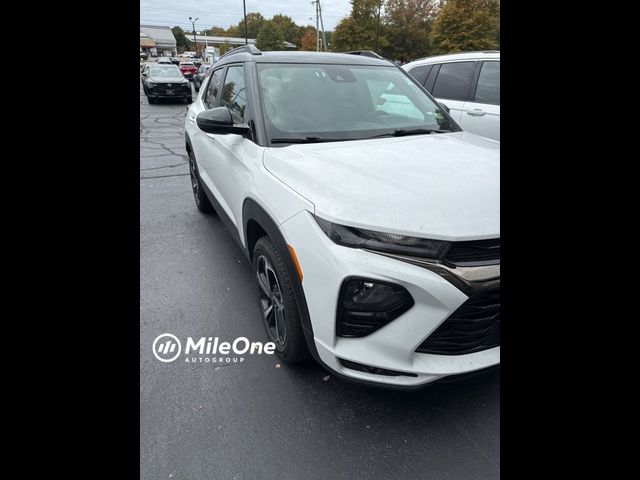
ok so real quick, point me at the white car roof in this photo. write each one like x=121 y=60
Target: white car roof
x=456 y=57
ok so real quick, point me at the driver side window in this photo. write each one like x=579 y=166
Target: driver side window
x=234 y=95
x=213 y=89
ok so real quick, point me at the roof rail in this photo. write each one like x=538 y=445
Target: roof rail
x=250 y=48
x=456 y=53
x=365 y=53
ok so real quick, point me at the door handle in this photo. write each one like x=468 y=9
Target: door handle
x=192 y=118
x=476 y=112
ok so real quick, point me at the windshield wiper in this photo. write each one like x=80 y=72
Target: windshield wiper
x=401 y=132
x=309 y=139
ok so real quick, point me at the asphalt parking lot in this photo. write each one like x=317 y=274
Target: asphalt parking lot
x=259 y=419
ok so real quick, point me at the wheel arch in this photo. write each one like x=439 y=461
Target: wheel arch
x=256 y=223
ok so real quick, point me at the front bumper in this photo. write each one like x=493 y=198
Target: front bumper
x=393 y=347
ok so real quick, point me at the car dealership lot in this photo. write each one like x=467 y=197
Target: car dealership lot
x=259 y=418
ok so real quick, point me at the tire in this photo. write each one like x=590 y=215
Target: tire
x=196 y=86
x=189 y=99
x=278 y=307
x=200 y=197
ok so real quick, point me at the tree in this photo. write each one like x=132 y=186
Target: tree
x=225 y=47
x=358 y=30
x=290 y=31
x=466 y=25
x=255 y=22
x=407 y=26
x=270 y=38
x=182 y=42
x=308 y=41
x=216 y=32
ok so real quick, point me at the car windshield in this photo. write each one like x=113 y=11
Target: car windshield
x=168 y=71
x=344 y=102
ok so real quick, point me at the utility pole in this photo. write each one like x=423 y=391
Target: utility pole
x=317 y=2
x=193 y=26
x=324 y=37
x=375 y=49
x=244 y=8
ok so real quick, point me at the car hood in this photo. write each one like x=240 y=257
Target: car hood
x=441 y=186
x=168 y=79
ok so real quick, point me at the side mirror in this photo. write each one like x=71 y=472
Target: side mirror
x=445 y=108
x=219 y=120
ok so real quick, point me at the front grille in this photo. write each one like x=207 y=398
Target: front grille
x=473 y=327
x=163 y=87
x=474 y=252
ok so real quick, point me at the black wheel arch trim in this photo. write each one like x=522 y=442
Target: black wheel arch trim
x=251 y=210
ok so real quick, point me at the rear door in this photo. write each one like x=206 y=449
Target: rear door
x=452 y=85
x=481 y=113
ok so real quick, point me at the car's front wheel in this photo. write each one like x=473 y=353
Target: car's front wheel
x=202 y=201
x=277 y=303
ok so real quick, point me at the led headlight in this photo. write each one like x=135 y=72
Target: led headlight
x=383 y=241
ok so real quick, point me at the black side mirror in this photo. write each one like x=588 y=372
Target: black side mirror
x=219 y=120
x=445 y=108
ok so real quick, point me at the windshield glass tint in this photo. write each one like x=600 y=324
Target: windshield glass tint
x=343 y=101
x=166 y=72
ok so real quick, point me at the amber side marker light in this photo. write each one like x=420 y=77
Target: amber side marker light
x=295 y=261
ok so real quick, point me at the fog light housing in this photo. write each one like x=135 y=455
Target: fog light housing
x=365 y=305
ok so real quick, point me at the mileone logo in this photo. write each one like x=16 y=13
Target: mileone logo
x=168 y=347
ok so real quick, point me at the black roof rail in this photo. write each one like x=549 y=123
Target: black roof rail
x=250 y=48
x=366 y=53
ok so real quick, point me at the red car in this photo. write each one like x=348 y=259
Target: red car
x=188 y=69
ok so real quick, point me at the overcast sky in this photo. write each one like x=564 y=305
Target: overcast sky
x=224 y=13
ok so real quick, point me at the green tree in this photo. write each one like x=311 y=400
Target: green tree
x=358 y=30
x=286 y=25
x=270 y=38
x=407 y=26
x=466 y=25
x=182 y=42
x=255 y=22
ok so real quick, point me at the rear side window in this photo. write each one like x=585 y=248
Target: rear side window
x=488 y=90
x=454 y=80
x=234 y=93
x=213 y=88
x=420 y=73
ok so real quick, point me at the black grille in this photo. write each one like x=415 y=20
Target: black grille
x=175 y=87
x=474 y=252
x=473 y=327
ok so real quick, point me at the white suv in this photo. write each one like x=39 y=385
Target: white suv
x=372 y=222
x=468 y=84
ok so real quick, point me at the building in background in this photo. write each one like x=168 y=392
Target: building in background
x=162 y=37
x=204 y=41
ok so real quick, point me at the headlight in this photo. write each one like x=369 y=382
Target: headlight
x=382 y=241
x=150 y=84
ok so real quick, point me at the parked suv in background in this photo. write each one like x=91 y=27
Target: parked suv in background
x=467 y=83
x=371 y=221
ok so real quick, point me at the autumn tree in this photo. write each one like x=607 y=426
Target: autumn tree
x=308 y=41
x=270 y=37
x=407 y=27
x=466 y=25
